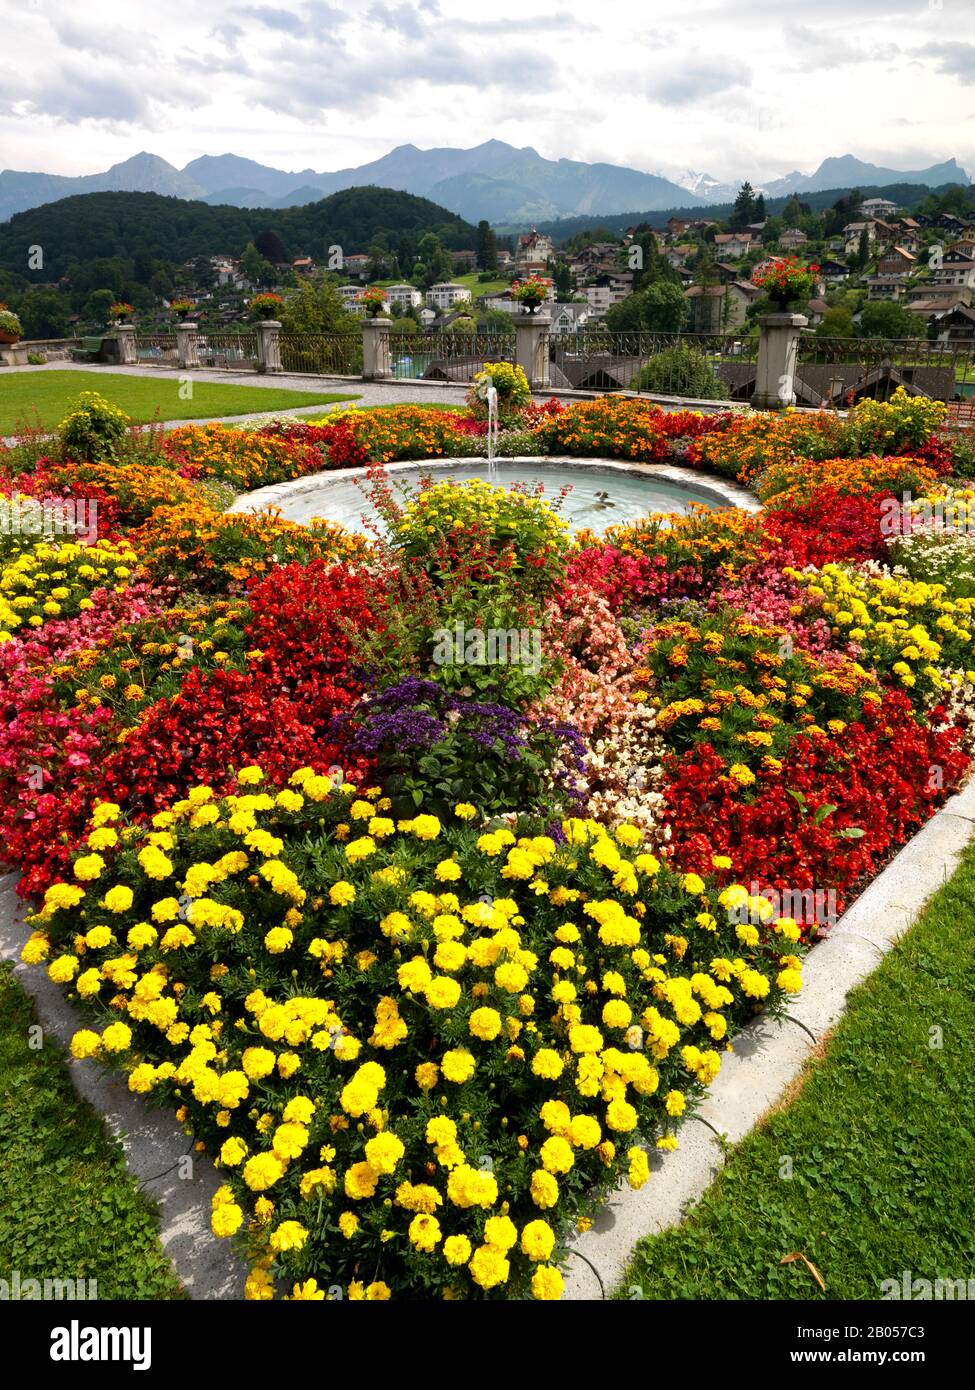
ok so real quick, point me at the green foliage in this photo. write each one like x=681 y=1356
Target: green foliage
x=69 y=1209
x=682 y=371
x=317 y=308
x=110 y=229
x=94 y=430
x=882 y=318
x=660 y=308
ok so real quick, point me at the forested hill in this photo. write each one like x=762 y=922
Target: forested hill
x=99 y=226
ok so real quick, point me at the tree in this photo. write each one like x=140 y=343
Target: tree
x=257 y=269
x=836 y=323
x=43 y=313
x=270 y=246
x=862 y=254
x=660 y=308
x=563 y=282
x=317 y=309
x=498 y=321
x=882 y=318
x=486 y=247
x=97 y=306
x=744 y=209
x=760 y=213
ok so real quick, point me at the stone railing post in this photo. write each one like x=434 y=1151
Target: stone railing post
x=187 y=346
x=268 y=345
x=778 y=351
x=531 y=346
x=376 y=360
x=123 y=336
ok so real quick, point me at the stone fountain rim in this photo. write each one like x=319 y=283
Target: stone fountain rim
x=689 y=479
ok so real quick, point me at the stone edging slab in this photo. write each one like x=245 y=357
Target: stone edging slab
x=724 y=493
x=767 y=1057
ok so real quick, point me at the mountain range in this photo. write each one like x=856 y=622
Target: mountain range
x=493 y=180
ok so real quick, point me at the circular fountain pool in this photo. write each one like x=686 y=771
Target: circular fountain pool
x=593 y=493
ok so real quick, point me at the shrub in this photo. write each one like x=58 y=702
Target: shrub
x=433 y=749
x=94 y=430
x=681 y=371
x=419 y=1053
x=528 y=537
x=511 y=384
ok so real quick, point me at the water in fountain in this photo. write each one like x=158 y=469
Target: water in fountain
x=492 y=432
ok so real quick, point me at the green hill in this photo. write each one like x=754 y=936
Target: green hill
x=101 y=226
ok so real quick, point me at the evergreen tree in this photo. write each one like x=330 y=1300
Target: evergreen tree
x=744 y=210
x=487 y=247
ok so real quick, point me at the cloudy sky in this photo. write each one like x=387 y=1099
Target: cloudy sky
x=732 y=87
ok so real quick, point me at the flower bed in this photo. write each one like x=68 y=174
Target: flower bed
x=428 y=878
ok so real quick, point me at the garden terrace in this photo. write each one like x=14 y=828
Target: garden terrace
x=427 y=878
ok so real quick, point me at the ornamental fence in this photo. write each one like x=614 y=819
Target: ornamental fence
x=702 y=366
x=324 y=354
x=447 y=356
x=227 y=349
x=156 y=348
x=799 y=368
x=837 y=372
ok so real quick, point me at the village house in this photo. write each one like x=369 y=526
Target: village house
x=568 y=318
x=445 y=294
x=884 y=286
x=463 y=261
x=878 y=207
x=356 y=266
x=676 y=256
x=896 y=261
x=719 y=308
x=405 y=296
x=792 y=239
x=834 y=272
x=928 y=300
x=533 y=253
x=733 y=245
x=955 y=325
x=303 y=265
x=954 y=272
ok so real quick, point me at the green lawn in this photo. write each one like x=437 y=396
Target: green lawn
x=48 y=394
x=69 y=1208
x=478 y=287
x=881 y=1139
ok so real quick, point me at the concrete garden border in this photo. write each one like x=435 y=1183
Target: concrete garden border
x=724 y=493
x=766 y=1057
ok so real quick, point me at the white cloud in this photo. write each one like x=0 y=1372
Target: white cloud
x=744 y=90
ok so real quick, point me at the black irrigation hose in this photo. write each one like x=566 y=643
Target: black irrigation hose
x=599 y=1280
x=799 y=1024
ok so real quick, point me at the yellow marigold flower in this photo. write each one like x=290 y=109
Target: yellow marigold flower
x=547 y=1284
x=537 y=1240
x=458 y=1065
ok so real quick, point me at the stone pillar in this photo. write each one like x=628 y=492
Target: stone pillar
x=778 y=351
x=123 y=336
x=268 y=345
x=376 y=360
x=531 y=346
x=187 y=347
